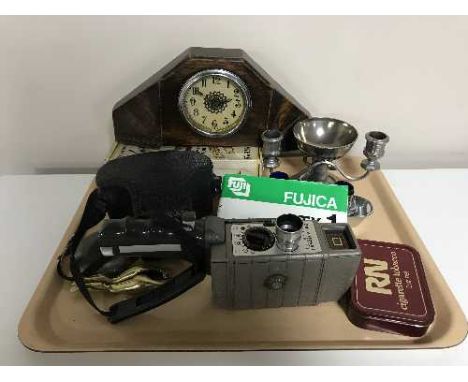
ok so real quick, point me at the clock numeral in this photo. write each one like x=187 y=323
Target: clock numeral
x=238 y=104
x=228 y=83
x=226 y=121
x=193 y=101
x=234 y=114
x=195 y=112
x=203 y=119
x=236 y=91
x=214 y=123
x=203 y=82
x=196 y=91
x=216 y=80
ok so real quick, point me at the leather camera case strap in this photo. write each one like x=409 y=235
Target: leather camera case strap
x=157 y=185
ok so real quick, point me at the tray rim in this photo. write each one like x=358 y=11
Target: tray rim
x=32 y=340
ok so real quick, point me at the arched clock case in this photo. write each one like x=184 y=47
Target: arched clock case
x=206 y=97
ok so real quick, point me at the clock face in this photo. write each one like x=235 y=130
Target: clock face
x=214 y=102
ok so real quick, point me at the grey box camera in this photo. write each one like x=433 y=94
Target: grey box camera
x=283 y=262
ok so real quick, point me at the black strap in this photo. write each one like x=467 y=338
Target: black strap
x=157 y=296
x=94 y=211
x=78 y=278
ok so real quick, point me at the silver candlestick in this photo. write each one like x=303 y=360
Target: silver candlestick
x=271 y=148
x=324 y=140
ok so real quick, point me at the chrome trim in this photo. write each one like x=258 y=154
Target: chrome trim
x=222 y=73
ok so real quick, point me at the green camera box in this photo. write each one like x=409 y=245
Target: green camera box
x=247 y=197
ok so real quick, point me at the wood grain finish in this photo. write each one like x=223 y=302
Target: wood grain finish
x=149 y=115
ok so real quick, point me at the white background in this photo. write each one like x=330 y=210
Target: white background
x=60 y=77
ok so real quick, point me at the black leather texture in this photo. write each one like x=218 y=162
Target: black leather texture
x=158 y=183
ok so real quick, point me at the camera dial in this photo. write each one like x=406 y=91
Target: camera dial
x=258 y=238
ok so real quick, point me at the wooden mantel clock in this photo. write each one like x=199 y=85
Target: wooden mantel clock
x=206 y=97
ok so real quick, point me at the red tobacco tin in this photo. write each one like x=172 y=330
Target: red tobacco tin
x=390 y=291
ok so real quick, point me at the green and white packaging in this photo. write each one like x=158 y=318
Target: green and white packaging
x=246 y=197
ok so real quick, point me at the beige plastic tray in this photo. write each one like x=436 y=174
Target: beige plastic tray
x=57 y=321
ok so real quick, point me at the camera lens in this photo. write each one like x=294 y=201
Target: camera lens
x=289 y=222
x=288 y=232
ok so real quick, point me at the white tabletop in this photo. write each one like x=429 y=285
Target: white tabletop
x=36 y=209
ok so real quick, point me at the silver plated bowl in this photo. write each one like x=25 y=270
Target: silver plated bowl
x=324 y=138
